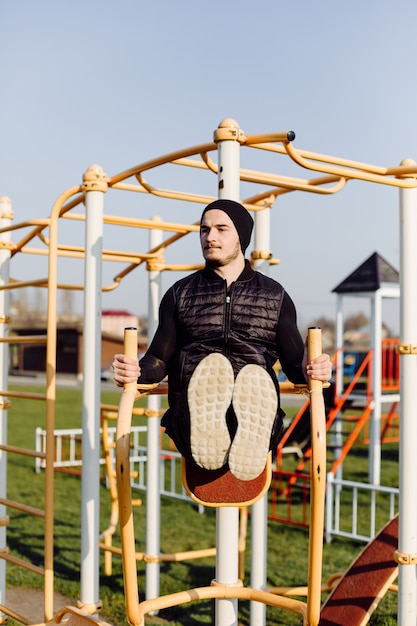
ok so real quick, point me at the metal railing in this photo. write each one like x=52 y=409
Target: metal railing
x=361 y=516
x=68 y=458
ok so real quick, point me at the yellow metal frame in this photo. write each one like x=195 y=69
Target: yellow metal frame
x=109 y=412
x=137 y=610
x=40 y=237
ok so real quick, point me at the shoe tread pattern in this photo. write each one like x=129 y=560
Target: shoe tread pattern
x=209 y=396
x=255 y=403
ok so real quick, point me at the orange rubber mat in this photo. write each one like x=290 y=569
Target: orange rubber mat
x=221 y=488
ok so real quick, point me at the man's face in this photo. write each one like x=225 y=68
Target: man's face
x=219 y=238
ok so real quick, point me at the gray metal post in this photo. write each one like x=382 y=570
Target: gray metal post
x=227 y=528
x=95 y=186
x=259 y=527
x=153 y=500
x=407 y=532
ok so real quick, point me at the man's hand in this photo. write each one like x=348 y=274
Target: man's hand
x=125 y=369
x=319 y=368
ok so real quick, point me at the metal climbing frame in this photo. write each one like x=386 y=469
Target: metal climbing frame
x=136 y=611
x=41 y=237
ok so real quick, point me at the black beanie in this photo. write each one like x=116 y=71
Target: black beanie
x=240 y=217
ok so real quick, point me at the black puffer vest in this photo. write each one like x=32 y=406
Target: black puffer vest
x=241 y=324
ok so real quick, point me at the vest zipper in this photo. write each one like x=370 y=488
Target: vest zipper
x=227 y=320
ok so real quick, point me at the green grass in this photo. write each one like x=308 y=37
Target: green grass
x=183 y=528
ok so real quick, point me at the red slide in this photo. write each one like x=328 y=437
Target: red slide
x=365 y=583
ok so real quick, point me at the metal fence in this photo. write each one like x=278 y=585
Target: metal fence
x=357 y=510
x=68 y=458
x=354 y=510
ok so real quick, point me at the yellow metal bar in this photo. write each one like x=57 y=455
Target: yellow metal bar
x=108 y=547
x=205 y=163
x=18 y=506
x=174 y=195
x=129 y=187
x=151 y=224
x=27 y=395
x=285 y=185
x=164 y=245
x=22 y=243
x=16 y=616
x=331 y=160
x=175 y=557
x=21 y=563
x=20 y=225
x=350 y=169
x=135 y=611
x=77 y=252
x=116 y=220
x=243 y=530
x=72 y=201
x=182 y=268
x=57 y=209
x=168 y=158
x=282 y=184
x=282 y=137
x=287 y=387
x=15 y=339
x=14 y=284
x=212 y=592
x=108 y=533
x=78 y=617
x=127 y=532
x=318 y=484
x=111 y=411
x=22 y=451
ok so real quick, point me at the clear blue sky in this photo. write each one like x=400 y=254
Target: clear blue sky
x=117 y=83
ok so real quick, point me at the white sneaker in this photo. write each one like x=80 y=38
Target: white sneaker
x=255 y=403
x=209 y=396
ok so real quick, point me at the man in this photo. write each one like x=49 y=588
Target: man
x=220 y=331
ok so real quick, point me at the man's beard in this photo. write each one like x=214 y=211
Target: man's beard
x=215 y=263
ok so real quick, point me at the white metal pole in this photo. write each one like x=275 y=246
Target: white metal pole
x=375 y=430
x=90 y=484
x=339 y=382
x=339 y=345
x=259 y=525
x=6 y=216
x=153 y=501
x=407 y=533
x=227 y=518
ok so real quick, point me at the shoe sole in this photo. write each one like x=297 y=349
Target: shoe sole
x=209 y=396
x=255 y=403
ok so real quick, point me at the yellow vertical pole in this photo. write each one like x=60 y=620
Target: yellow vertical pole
x=318 y=484
x=127 y=531
x=6 y=216
x=50 y=403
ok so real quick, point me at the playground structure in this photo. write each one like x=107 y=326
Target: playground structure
x=213 y=488
x=40 y=236
x=349 y=415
